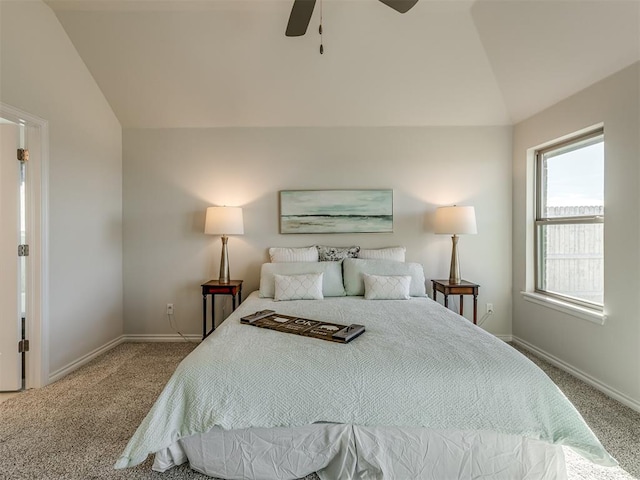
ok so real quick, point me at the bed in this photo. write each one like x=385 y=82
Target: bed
x=423 y=393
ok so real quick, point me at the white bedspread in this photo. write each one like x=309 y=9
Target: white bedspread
x=417 y=364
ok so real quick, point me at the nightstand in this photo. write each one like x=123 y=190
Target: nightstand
x=213 y=288
x=463 y=288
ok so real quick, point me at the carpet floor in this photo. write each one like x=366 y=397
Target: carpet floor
x=77 y=427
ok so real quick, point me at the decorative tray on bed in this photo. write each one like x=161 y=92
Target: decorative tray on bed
x=332 y=332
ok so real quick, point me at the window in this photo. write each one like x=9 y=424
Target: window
x=569 y=223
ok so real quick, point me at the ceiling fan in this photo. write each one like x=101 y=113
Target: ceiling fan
x=302 y=10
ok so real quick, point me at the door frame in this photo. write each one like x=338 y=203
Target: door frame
x=37 y=321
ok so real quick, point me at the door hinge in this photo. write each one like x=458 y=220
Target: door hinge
x=23 y=250
x=23 y=346
x=23 y=154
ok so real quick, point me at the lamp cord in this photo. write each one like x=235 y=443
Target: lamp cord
x=480 y=321
x=320 y=30
x=173 y=327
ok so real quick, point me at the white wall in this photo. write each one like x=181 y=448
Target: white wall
x=608 y=355
x=172 y=175
x=43 y=74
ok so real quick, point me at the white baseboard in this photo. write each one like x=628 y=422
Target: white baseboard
x=595 y=383
x=161 y=337
x=67 y=369
x=504 y=338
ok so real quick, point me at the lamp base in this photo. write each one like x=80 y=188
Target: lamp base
x=454 y=270
x=224 y=262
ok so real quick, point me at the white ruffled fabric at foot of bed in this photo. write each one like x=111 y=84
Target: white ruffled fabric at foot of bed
x=337 y=451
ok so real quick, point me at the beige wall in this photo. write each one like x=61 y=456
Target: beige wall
x=607 y=355
x=43 y=75
x=172 y=175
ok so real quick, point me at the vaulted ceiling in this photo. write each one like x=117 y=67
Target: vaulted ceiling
x=212 y=63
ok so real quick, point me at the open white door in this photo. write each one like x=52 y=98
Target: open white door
x=11 y=302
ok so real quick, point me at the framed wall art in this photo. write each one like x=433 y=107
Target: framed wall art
x=336 y=211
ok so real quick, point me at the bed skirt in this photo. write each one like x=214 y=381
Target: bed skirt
x=338 y=451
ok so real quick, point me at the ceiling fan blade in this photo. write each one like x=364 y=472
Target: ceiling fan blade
x=300 y=17
x=401 y=6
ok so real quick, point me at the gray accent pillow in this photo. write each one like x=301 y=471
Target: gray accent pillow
x=332 y=285
x=354 y=268
x=335 y=254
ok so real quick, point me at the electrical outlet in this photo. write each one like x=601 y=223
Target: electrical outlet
x=169 y=308
x=489 y=308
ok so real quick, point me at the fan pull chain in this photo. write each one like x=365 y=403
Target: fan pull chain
x=320 y=30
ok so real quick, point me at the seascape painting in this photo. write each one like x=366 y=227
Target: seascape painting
x=336 y=211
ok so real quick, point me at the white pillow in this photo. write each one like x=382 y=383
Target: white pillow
x=354 y=268
x=286 y=254
x=331 y=280
x=298 y=287
x=389 y=253
x=386 y=287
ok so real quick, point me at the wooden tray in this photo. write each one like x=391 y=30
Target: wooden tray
x=332 y=332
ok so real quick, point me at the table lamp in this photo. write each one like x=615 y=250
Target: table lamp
x=224 y=221
x=455 y=221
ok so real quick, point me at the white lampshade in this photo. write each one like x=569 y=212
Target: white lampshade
x=456 y=220
x=224 y=221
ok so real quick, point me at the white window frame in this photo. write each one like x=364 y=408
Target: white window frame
x=555 y=299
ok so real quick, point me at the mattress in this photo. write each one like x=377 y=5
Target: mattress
x=418 y=365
